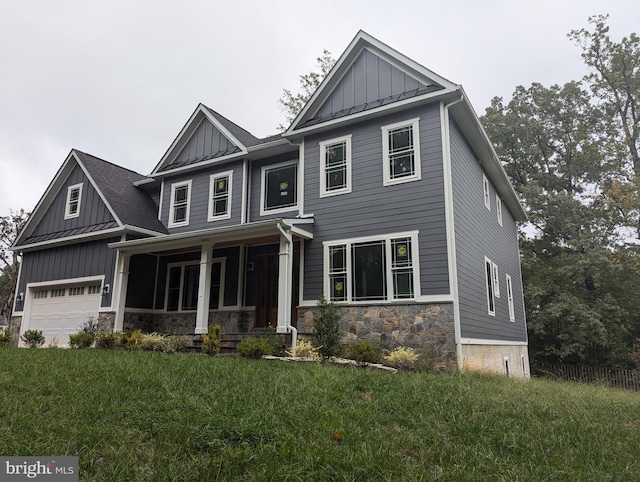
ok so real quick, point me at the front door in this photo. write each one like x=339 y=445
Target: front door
x=267 y=293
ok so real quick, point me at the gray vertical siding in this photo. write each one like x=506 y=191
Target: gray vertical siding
x=67 y=262
x=200 y=197
x=478 y=234
x=93 y=211
x=370 y=78
x=205 y=141
x=374 y=209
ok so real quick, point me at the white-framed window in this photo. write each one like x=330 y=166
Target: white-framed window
x=373 y=268
x=279 y=191
x=523 y=360
x=401 y=152
x=182 y=286
x=220 y=188
x=93 y=289
x=76 y=291
x=496 y=280
x=216 y=291
x=335 y=166
x=40 y=293
x=180 y=206
x=491 y=299
x=507 y=367
x=512 y=311
x=499 y=209
x=58 y=292
x=485 y=189
x=74 y=197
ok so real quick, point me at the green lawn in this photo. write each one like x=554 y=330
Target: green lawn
x=145 y=416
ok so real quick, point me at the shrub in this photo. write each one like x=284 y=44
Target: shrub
x=6 y=337
x=363 y=352
x=211 y=340
x=33 y=338
x=174 y=343
x=107 y=339
x=90 y=326
x=326 y=328
x=305 y=349
x=254 y=347
x=81 y=340
x=152 y=342
x=402 y=358
x=131 y=339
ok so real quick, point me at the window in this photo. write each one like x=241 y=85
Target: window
x=220 y=186
x=485 y=187
x=216 y=292
x=77 y=291
x=74 y=196
x=499 y=209
x=94 y=289
x=401 y=152
x=182 y=287
x=40 y=294
x=524 y=365
x=496 y=281
x=180 y=204
x=57 y=293
x=491 y=301
x=512 y=312
x=279 y=191
x=374 y=268
x=506 y=365
x=335 y=166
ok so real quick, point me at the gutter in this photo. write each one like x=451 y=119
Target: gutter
x=284 y=299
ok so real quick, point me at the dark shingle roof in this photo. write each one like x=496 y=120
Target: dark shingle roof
x=244 y=136
x=131 y=204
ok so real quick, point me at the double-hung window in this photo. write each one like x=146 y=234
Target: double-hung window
x=182 y=287
x=491 y=298
x=180 y=204
x=401 y=152
x=377 y=268
x=220 y=186
x=485 y=190
x=74 y=196
x=512 y=311
x=279 y=188
x=335 y=166
x=499 y=209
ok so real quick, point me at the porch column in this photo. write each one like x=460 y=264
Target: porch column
x=285 y=275
x=120 y=289
x=204 y=289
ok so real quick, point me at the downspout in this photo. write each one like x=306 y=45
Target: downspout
x=288 y=252
x=451 y=241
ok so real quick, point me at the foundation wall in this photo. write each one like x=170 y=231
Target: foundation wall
x=496 y=359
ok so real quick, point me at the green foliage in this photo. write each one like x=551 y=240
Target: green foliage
x=81 y=340
x=254 y=347
x=152 y=342
x=211 y=340
x=326 y=328
x=305 y=349
x=402 y=358
x=131 y=340
x=363 y=352
x=107 y=339
x=6 y=337
x=174 y=343
x=90 y=326
x=33 y=338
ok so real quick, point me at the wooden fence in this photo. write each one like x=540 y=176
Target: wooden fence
x=613 y=377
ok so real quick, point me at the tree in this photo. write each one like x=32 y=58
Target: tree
x=291 y=104
x=10 y=227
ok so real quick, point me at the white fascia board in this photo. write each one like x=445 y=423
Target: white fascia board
x=69 y=281
x=482 y=341
x=200 y=165
x=135 y=229
x=95 y=186
x=107 y=233
x=267 y=145
x=145 y=181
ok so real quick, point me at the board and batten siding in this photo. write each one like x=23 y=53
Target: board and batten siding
x=374 y=209
x=478 y=234
x=199 y=210
x=69 y=262
x=205 y=141
x=93 y=210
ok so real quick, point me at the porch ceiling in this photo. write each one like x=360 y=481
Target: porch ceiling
x=250 y=232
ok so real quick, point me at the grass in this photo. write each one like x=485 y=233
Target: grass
x=149 y=416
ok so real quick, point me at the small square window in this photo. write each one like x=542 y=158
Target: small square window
x=279 y=188
x=401 y=152
x=335 y=166
x=74 y=197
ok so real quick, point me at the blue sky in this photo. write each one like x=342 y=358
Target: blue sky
x=118 y=79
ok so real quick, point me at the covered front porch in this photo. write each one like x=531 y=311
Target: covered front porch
x=246 y=278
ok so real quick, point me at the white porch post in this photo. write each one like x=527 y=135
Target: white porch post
x=204 y=289
x=285 y=274
x=120 y=290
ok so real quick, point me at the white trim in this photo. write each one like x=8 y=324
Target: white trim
x=240 y=290
x=17 y=291
x=499 y=208
x=506 y=362
x=480 y=341
x=512 y=312
x=323 y=166
x=106 y=233
x=386 y=168
x=204 y=288
x=70 y=189
x=98 y=190
x=486 y=191
x=245 y=183
x=136 y=229
x=388 y=270
x=496 y=280
x=160 y=200
x=300 y=179
x=182 y=265
x=174 y=187
x=263 y=171
x=489 y=286
x=215 y=177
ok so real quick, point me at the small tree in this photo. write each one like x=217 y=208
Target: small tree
x=326 y=328
x=211 y=340
x=33 y=338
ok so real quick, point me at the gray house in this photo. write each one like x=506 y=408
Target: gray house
x=384 y=193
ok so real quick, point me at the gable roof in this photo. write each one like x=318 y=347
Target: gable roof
x=414 y=83
x=130 y=207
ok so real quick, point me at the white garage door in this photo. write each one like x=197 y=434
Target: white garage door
x=59 y=311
